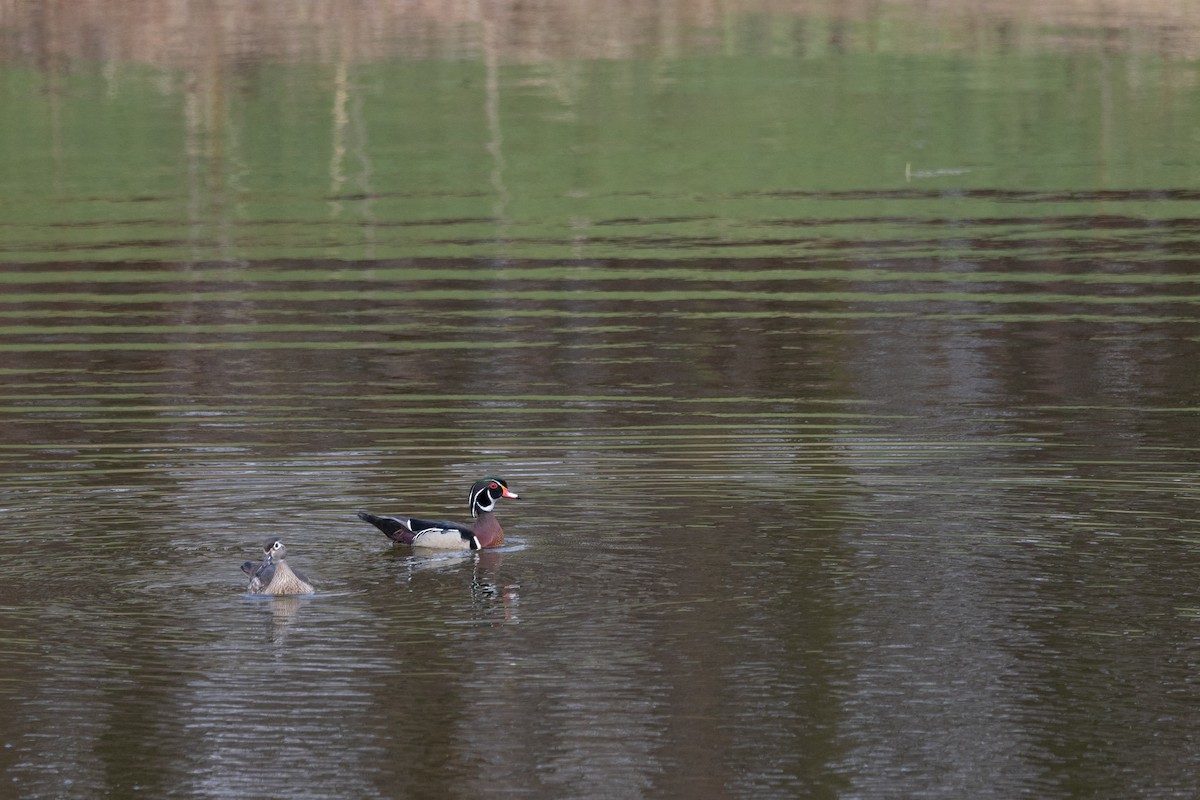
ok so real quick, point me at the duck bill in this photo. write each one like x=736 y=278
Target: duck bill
x=509 y=493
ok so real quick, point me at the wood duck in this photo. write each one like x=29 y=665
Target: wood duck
x=273 y=575
x=484 y=533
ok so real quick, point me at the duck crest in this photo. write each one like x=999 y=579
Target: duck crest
x=486 y=492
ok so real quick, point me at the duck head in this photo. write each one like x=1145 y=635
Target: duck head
x=273 y=552
x=486 y=492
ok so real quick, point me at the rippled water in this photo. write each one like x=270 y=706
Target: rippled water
x=850 y=391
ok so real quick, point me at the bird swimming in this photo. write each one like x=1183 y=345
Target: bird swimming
x=484 y=533
x=273 y=575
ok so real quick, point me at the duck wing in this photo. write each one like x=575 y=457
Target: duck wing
x=442 y=534
x=261 y=575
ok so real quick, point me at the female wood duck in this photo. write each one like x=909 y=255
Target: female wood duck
x=273 y=575
x=484 y=533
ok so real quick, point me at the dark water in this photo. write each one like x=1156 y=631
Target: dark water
x=846 y=368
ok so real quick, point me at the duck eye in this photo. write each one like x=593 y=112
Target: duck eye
x=494 y=485
x=277 y=545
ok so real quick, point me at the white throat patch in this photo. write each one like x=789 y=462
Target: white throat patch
x=481 y=501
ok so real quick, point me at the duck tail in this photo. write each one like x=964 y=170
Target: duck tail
x=392 y=527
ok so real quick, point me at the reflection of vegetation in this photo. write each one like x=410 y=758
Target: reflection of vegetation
x=51 y=34
x=729 y=156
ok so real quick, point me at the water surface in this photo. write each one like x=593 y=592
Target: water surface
x=845 y=366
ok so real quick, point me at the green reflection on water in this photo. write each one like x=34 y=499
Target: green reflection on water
x=737 y=155
x=573 y=273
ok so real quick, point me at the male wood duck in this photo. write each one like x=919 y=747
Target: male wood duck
x=483 y=534
x=273 y=575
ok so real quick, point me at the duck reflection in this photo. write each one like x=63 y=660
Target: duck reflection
x=491 y=596
x=489 y=591
x=285 y=610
